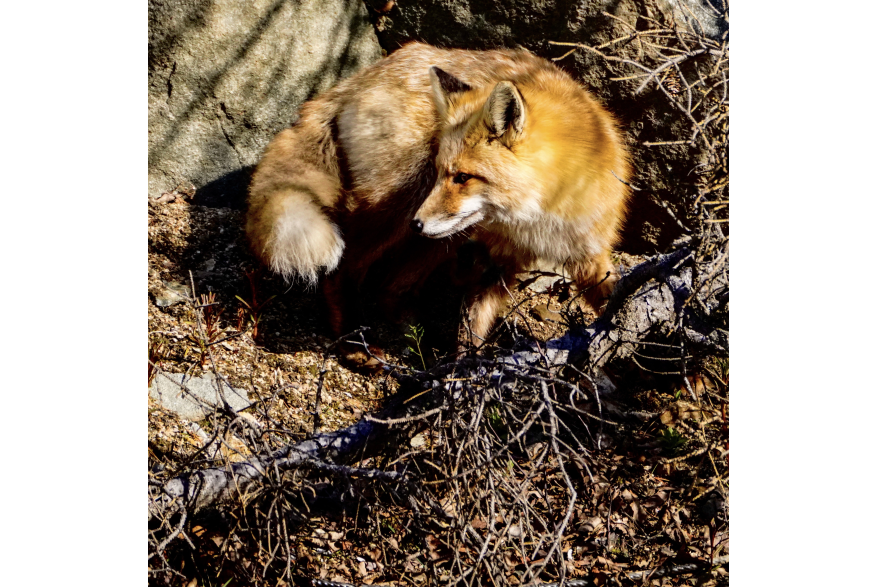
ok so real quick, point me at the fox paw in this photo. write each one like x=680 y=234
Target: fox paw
x=354 y=357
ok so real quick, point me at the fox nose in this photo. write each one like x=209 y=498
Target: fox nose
x=417 y=226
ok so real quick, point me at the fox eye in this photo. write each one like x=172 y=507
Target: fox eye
x=462 y=178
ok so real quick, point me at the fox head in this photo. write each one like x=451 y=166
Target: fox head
x=480 y=175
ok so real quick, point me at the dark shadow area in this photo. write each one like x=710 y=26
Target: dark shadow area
x=297 y=318
x=229 y=191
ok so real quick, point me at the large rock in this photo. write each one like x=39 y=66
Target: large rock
x=225 y=76
x=663 y=173
x=199 y=397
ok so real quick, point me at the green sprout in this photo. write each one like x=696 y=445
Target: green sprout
x=416 y=335
x=672 y=440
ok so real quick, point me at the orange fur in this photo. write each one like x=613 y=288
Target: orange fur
x=382 y=153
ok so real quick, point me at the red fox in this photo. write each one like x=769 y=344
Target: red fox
x=497 y=146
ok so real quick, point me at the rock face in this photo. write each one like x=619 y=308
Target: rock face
x=492 y=24
x=225 y=76
x=662 y=173
x=199 y=397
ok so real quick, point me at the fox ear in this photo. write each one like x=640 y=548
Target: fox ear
x=504 y=112
x=444 y=84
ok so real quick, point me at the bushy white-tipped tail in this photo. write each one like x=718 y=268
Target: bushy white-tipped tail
x=292 y=236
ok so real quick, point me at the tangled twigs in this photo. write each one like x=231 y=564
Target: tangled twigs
x=646 y=304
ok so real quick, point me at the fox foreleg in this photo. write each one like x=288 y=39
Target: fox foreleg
x=595 y=279
x=484 y=305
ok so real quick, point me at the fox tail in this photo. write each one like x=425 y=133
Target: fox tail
x=293 y=236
